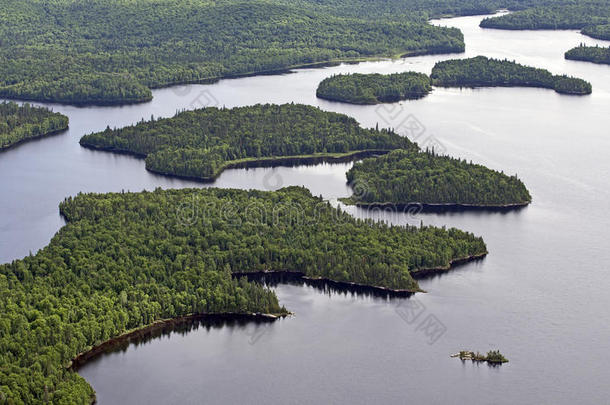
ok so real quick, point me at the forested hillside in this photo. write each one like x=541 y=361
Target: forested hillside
x=20 y=123
x=374 y=88
x=125 y=260
x=592 y=17
x=110 y=52
x=403 y=177
x=595 y=54
x=482 y=71
x=201 y=143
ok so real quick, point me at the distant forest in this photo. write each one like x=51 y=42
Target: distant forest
x=109 y=52
x=20 y=123
x=592 y=17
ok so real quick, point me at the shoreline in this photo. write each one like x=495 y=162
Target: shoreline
x=484 y=85
x=277 y=161
x=33 y=138
x=437 y=207
x=357 y=287
x=418 y=274
x=344 y=285
x=139 y=333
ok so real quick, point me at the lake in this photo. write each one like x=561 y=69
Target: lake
x=540 y=296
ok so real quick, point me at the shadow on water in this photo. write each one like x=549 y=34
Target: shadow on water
x=180 y=326
x=456 y=266
x=328 y=287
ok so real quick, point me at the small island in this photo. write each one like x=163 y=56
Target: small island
x=22 y=123
x=201 y=144
x=595 y=54
x=374 y=88
x=492 y=357
x=132 y=261
x=481 y=71
x=406 y=177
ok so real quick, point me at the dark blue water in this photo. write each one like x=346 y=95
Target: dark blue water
x=540 y=296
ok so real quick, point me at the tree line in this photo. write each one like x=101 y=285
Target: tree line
x=374 y=88
x=125 y=260
x=481 y=71
x=22 y=122
x=595 y=54
x=108 y=52
x=201 y=143
x=592 y=17
x=403 y=177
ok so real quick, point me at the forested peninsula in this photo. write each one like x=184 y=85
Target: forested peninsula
x=592 y=17
x=481 y=71
x=19 y=123
x=410 y=177
x=126 y=260
x=595 y=54
x=374 y=88
x=200 y=144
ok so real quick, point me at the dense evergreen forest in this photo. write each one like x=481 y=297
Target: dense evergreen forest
x=592 y=17
x=20 y=123
x=482 y=72
x=374 y=88
x=403 y=177
x=125 y=260
x=109 y=52
x=595 y=54
x=201 y=143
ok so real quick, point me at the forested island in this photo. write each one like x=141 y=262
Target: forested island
x=595 y=54
x=481 y=71
x=404 y=177
x=19 y=123
x=126 y=260
x=200 y=144
x=592 y=17
x=374 y=88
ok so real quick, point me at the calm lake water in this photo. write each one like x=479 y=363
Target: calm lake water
x=540 y=296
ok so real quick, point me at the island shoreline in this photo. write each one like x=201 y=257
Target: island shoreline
x=33 y=138
x=277 y=161
x=438 y=207
x=139 y=333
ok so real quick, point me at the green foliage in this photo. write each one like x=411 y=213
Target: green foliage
x=494 y=356
x=481 y=71
x=598 y=31
x=591 y=16
x=112 y=52
x=126 y=260
x=374 y=88
x=19 y=123
x=595 y=54
x=201 y=143
x=403 y=177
